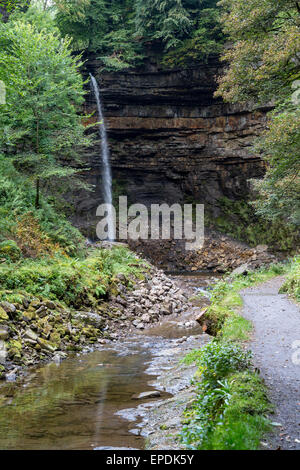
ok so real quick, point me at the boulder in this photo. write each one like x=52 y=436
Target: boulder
x=90 y=318
x=4 y=332
x=146 y=395
x=7 y=307
x=243 y=269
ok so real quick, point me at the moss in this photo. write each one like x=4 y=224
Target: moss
x=15 y=349
x=47 y=345
x=3 y=315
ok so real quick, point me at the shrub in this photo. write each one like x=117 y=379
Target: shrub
x=9 y=250
x=218 y=359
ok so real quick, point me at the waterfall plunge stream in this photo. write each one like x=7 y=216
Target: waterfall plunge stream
x=106 y=169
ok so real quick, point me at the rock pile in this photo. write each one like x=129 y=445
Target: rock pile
x=35 y=330
x=155 y=296
x=220 y=254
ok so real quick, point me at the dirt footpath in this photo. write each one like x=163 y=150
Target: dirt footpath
x=276 y=321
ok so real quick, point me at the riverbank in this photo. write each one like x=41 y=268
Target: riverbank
x=229 y=405
x=53 y=307
x=101 y=399
x=180 y=312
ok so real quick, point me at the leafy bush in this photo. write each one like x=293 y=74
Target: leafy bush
x=29 y=227
x=292 y=284
x=218 y=359
x=229 y=411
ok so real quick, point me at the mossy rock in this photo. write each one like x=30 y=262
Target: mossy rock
x=15 y=349
x=10 y=250
x=3 y=315
x=47 y=345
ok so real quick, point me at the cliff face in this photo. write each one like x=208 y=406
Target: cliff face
x=171 y=141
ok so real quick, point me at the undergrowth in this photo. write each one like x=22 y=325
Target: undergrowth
x=292 y=284
x=36 y=232
x=231 y=405
x=72 y=281
x=239 y=220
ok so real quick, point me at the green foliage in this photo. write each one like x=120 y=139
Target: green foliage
x=220 y=317
x=229 y=398
x=9 y=6
x=167 y=21
x=264 y=67
x=243 y=421
x=101 y=28
x=9 y=250
x=206 y=39
x=122 y=31
x=75 y=282
x=84 y=20
x=240 y=220
x=39 y=124
x=17 y=200
x=292 y=284
x=236 y=328
x=279 y=191
x=263 y=57
x=218 y=359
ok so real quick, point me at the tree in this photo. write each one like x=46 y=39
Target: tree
x=279 y=191
x=84 y=20
x=163 y=20
x=264 y=56
x=40 y=129
x=263 y=66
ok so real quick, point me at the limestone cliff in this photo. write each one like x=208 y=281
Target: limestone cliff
x=170 y=140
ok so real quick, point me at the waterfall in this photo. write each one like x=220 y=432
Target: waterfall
x=106 y=169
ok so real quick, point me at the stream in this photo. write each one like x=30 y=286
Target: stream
x=86 y=401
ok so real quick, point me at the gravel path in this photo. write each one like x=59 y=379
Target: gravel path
x=276 y=322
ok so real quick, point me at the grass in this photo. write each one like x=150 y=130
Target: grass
x=226 y=300
x=231 y=405
x=292 y=284
x=244 y=421
x=236 y=328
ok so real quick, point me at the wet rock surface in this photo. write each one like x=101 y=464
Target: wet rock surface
x=159 y=421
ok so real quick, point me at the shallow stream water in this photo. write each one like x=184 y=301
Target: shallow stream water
x=78 y=403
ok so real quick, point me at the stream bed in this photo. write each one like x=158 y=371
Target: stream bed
x=87 y=401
